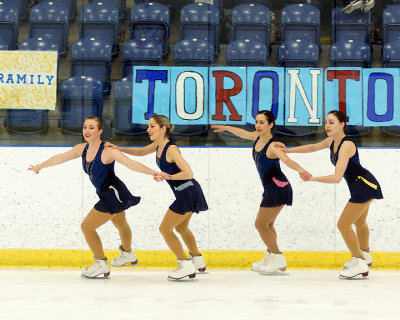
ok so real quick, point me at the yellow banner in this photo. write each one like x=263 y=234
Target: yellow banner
x=28 y=80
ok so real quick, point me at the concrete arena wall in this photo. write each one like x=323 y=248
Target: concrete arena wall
x=41 y=214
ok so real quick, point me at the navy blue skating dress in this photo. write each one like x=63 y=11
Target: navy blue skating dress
x=277 y=188
x=114 y=195
x=188 y=193
x=362 y=184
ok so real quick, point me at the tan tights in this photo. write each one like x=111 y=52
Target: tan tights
x=355 y=213
x=96 y=219
x=181 y=224
x=265 y=226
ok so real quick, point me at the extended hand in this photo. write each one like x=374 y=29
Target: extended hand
x=218 y=128
x=35 y=169
x=279 y=145
x=110 y=145
x=160 y=176
x=305 y=175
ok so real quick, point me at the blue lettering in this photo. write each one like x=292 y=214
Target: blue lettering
x=39 y=82
x=152 y=76
x=49 y=78
x=256 y=91
x=371 y=114
x=21 y=79
x=10 y=78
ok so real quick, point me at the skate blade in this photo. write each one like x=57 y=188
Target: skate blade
x=99 y=277
x=127 y=265
x=275 y=273
x=190 y=277
x=360 y=276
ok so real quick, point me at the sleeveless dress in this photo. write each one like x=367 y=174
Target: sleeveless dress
x=277 y=188
x=188 y=193
x=114 y=195
x=362 y=184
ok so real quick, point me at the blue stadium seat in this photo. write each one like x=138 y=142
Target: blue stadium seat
x=391 y=54
x=50 y=19
x=150 y=20
x=294 y=131
x=391 y=23
x=22 y=6
x=92 y=58
x=122 y=122
x=298 y=53
x=70 y=4
x=350 y=53
x=392 y=130
x=81 y=97
x=140 y=52
x=40 y=44
x=300 y=21
x=3 y=45
x=267 y=3
x=9 y=24
x=26 y=121
x=251 y=21
x=355 y=132
x=353 y=26
x=217 y=3
x=120 y=4
x=194 y=52
x=200 y=21
x=246 y=53
x=100 y=21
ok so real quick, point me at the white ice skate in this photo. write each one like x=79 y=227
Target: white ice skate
x=276 y=265
x=100 y=267
x=357 y=267
x=258 y=264
x=367 y=257
x=186 y=269
x=199 y=262
x=125 y=257
x=354 y=5
x=368 y=5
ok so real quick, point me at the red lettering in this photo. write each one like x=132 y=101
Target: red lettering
x=342 y=76
x=223 y=95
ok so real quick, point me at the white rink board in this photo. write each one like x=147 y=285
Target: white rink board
x=44 y=211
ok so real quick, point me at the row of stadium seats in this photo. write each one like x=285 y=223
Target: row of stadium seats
x=149 y=26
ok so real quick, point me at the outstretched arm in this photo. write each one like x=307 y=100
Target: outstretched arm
x=244 y=134
x=134 y=151
x=310 y=147
x=74 y=153
x=347 y=150
x=114 y=154
x=278 y=152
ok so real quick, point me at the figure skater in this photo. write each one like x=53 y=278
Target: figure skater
x=115 y=198
x=277 y=189
x=363 y=189
x=188 y=193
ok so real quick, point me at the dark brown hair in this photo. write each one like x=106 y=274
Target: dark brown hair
x=269 y=115
x=340 y=116
x=98 y=120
